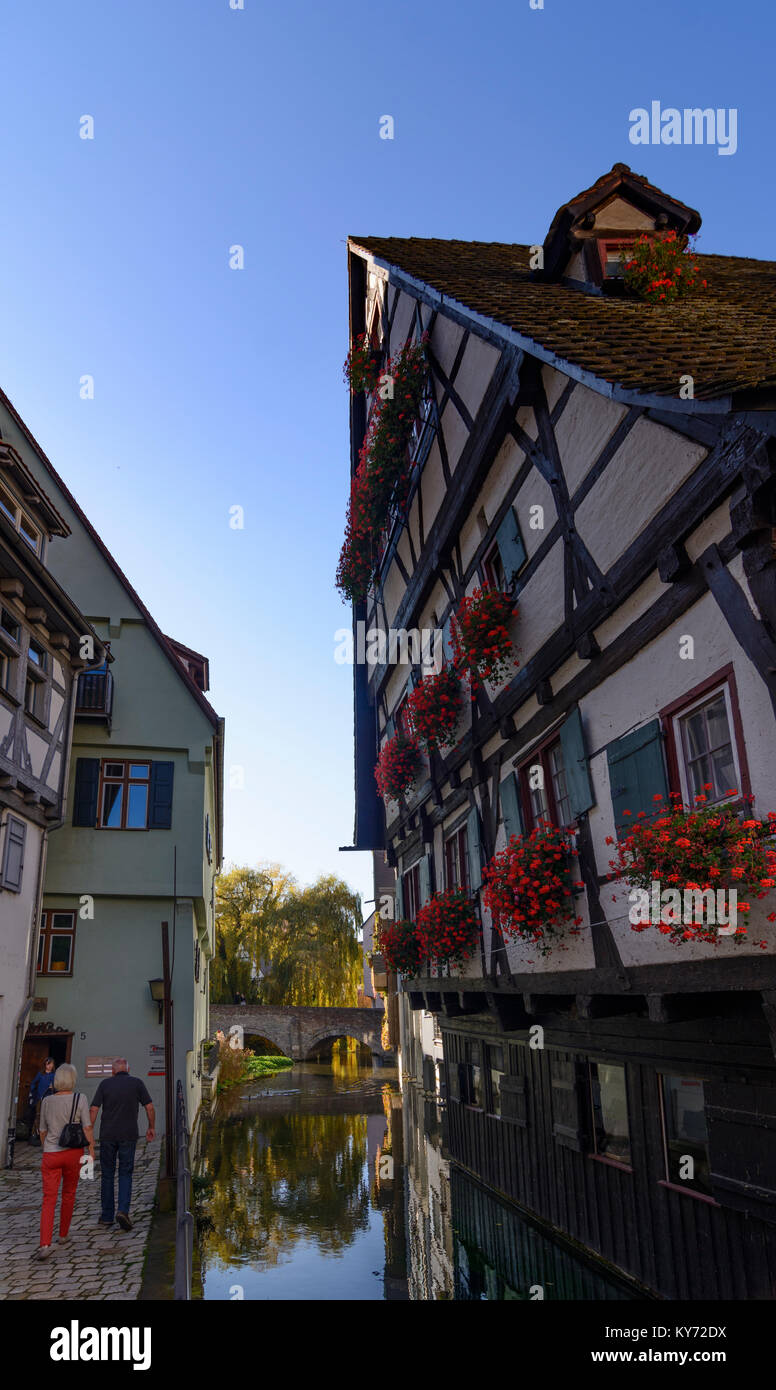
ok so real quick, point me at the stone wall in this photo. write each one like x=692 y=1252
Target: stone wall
x=299 y=1031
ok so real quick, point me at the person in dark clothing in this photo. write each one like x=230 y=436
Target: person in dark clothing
x=119 y=1095
x=41 y=1085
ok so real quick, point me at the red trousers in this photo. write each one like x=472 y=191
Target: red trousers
x=64 y=1165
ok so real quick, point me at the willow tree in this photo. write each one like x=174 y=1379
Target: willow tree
x=277 y=943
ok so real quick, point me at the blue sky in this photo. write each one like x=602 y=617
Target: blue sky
x=216 y=387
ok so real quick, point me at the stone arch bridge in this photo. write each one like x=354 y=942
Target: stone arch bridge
x=298 y=1031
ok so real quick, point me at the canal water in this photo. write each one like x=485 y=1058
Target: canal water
x=327 y=1182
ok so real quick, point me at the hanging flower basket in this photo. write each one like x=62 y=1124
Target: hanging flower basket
x=434 y=707
x=400 y=946
x=382 y=477
x=449 y=928
x=685 y=851
x=662 y=269
x=397 y=767
x=528 y=888
x=362 y=365
x=482 y=646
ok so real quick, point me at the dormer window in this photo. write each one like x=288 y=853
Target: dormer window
x=18 y=518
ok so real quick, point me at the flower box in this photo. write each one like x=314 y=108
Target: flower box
x=400 y=946
x=397 y=767
x=482 y=646
x=434 y=709
x=529 y=889
x=448 y=928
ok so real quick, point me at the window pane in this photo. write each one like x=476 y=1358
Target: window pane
x=700 y=773
x=29 y=534
x=114 y=769
x=138 y=769
x=716 y=714
x=686 y=1133
x=7 y=507
x=610 y=1111
x=9 y=624
x=59 y=955
x=37 y=654
x=62 y=921
x=111 y=805
x=695 y=734
x=724 y=770
x=137 y=806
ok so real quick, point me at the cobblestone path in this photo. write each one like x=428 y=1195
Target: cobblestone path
x=94 y=1262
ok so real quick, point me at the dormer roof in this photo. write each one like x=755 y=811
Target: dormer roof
x=607 y=208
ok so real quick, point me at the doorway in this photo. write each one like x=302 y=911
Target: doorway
x=36 y=1048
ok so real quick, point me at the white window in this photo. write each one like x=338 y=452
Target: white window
x=706 y=748
x=10 y=508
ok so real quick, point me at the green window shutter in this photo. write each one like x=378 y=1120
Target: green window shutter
x=389 y=728
x=13 y=854
x=399 y=898
x=475 y=856
x=424 y=877
x=567 y=1083
x=160 y=799
x=87 y=781
x=511 y=813
x=510 y=545
x=572 y=742
x=636 y=773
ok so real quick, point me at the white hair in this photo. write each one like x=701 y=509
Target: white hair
x=65 y=1077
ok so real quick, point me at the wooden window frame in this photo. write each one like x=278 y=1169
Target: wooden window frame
x=594 y=1154
x=47 y=931
x=670 y=715
x=541 y=754
x=125 y=782
x=668 y=1181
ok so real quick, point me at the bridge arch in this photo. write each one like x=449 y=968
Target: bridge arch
x=296 y=1029
x=329 y=1036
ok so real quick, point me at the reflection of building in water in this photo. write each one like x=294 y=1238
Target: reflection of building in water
x=499 y=1255
x=429 y=1228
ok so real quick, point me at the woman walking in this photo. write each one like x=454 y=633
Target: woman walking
x=63 y=1116
x=42 y=1084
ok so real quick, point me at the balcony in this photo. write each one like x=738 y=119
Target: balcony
x=94 y=696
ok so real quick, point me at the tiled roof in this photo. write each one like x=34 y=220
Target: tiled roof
x=724 y=337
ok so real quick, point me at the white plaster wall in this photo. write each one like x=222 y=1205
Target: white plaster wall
x=647 y=469
x=476 y=369
x=445 y=341
x=587 y=422
x=19 y=924
x=402 y=322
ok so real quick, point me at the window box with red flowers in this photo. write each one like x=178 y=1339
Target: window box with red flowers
x=400 y=947
x=397 y=767
x=382 y=478
x=449 y=928
x=662 y=268
x=435 y=706
x=482 y=646
x=692 y=850
x=362 y=365
x=529 y=889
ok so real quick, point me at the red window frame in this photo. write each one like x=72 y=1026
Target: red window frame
x=457 y=859
x=724 y=677
x=493 y=576
x=607 y=244
x=540 y=754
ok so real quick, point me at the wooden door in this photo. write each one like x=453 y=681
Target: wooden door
x=36 y=1048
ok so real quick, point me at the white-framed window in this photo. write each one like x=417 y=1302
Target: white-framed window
x=707 y=755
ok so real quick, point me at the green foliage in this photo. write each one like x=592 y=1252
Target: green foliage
x=237 y=1064
x=277 y=943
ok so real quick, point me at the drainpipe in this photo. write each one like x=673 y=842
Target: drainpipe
x=32 y=958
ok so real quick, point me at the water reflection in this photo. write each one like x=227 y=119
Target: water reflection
x=327 y=1182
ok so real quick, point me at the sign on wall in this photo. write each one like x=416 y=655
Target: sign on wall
x=156 y=1059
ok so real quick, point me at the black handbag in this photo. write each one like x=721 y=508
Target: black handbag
x=72 y=1136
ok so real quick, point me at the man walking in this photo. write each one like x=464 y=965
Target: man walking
x=119 y=1095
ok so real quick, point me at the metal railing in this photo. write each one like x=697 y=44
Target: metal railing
x=184 y=1221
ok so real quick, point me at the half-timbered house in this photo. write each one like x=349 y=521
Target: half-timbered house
x=612 y=463
x=45 y=642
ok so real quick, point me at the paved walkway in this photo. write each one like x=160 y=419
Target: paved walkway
x=94 y=1262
